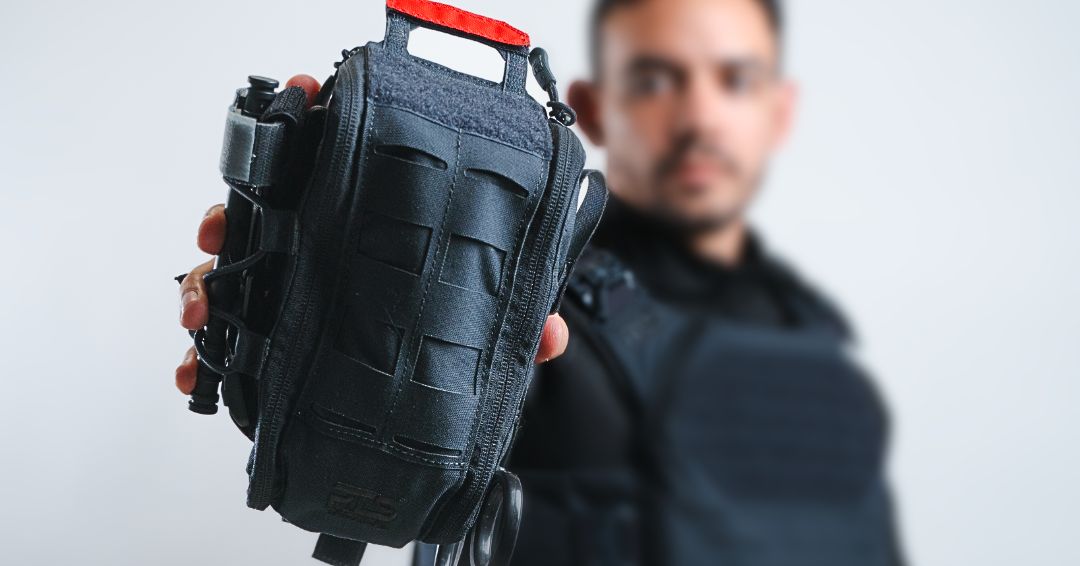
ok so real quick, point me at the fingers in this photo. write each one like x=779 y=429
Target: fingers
x=553 y=340
x=212 y=230
x=187 y=371
x=308 y=83
x=552 y=345
x=194 y=307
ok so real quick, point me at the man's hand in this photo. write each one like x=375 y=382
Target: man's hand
x=195 y=310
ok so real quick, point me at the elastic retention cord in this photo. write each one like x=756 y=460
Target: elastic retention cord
x=199 y=337
x=232 y=269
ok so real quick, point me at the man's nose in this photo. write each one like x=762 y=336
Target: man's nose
x=702 y=108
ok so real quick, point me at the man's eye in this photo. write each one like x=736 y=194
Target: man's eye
x=650 y=84
x=740 y=81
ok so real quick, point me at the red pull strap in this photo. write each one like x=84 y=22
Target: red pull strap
x=460 y=20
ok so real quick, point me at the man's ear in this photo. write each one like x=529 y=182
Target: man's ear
x=787 y=102
x=585 y=101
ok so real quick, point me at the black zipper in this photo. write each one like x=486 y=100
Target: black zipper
x=486 y=455
x=262 y=483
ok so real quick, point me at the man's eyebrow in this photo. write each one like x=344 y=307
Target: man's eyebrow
x=656 y=63
x=745 y=63
x=652 y=63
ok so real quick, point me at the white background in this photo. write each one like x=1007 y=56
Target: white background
x=932 y=187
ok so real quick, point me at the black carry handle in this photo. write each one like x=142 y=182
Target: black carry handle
x=585 y=221
x=402 y=16
x=589 y=214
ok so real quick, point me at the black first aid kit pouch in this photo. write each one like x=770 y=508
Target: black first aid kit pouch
x=391 y=257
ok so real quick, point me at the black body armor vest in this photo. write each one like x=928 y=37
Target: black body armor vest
x=669 y=436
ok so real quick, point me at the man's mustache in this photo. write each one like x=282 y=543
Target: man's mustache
x=691 y=145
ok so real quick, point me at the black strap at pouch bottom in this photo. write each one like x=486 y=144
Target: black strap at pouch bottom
x=339 y=551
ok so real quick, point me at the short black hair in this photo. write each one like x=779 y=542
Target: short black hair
x=774 y=11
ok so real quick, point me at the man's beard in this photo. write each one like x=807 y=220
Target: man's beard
x=677 y=220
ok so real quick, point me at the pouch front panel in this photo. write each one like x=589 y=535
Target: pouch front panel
x=441 y=214
x=390 y=408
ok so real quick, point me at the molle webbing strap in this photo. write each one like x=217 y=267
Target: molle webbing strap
x=338 y=551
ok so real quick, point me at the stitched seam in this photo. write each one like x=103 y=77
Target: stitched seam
x=466 y=509
x=506 y=294
x=507 y=366
x=334 y=429
x=417 y=338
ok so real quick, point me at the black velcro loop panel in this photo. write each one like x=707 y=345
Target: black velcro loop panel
x=339 y=551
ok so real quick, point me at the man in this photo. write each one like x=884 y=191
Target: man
x=704 y=411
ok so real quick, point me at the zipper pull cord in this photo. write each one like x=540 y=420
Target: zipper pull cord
x=560 y=111
x=346 y=54
x=328 y=86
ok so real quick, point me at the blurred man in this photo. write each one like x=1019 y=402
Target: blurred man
x=705 y=412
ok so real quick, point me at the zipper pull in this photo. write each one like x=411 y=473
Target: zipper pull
x=328 y=86
x=560 y=112
x=346 y=54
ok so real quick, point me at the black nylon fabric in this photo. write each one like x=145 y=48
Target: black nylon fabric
x=339 y=552
x=427 y=246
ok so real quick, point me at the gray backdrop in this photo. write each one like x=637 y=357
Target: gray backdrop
x=931 y=186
